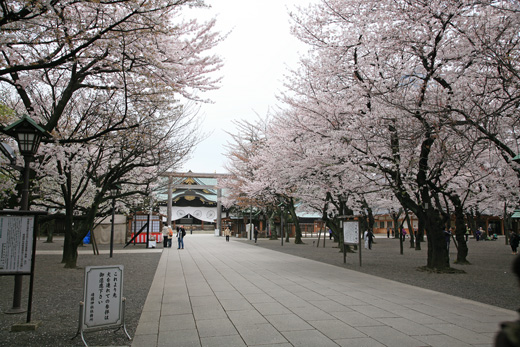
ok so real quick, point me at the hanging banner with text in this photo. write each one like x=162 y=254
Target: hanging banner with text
x=103 y=296
x=16 y=243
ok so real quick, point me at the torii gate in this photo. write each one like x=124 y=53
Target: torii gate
x=171 y=175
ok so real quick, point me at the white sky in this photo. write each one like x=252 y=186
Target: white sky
x=256 y=55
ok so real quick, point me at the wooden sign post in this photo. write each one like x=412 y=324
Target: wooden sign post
x=351 y=236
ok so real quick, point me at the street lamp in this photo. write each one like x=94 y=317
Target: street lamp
x=28 y=134
x=281 y=223
x=113 y=192
x=516 y=213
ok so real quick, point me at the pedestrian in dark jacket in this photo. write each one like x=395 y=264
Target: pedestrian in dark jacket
x=514 y=239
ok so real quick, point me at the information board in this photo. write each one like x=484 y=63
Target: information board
x=103 y=296
x=16 y=243
x=351 y=232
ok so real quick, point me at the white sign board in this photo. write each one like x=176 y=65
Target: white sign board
x=16 y=242
x=103 y=296
x=351 y=232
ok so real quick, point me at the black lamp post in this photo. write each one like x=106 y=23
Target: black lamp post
x=114 y=192
x=28 y=134
x=281 y=224
x=516 y=214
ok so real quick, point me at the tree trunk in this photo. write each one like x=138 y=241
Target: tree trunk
x=470 y=219
x=395 y=219
x=76 y=232
x=420 y=235
x=272 y=227
x=298 y=230
x=49 y=228
x=460 y=232
x=70 y=252
x=401 y=236
x=438 y=257
x=410 y=229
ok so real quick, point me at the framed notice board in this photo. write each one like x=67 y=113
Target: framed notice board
x=351 y=232
x=16 y=244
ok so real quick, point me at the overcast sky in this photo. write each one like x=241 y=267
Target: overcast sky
x=256 y=55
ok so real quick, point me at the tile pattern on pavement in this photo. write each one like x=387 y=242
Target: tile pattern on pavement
x=218 y=293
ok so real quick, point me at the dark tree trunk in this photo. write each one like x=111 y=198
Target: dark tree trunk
x=73 y=239
x=272 y=227
x=395 y=219
x=438 y=257
x=420 y=235
x=49 y=227
x=410 y=229
x=460 y=232
x=298 y=230
x=401 y=250
x=76 y=230
x=70 y=250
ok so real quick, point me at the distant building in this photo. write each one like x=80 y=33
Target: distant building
x=194 y=200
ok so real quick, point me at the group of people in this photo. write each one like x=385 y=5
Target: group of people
x=167 y=232
x=481 y=235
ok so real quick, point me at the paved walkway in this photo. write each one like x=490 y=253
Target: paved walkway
x=217 y=293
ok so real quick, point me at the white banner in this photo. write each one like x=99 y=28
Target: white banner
x=206 y=214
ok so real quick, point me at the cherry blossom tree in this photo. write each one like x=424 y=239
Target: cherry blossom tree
x=394 y=71
x=77 y=177
x=91 y=72
x=242 y=185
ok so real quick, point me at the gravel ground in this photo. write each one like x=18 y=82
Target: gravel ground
x=58 y=291
x=488 y=279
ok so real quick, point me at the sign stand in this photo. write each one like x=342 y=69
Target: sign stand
x=18 y=231
x=351 y=236
x=103 y=306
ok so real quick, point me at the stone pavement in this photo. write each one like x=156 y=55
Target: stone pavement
x=218 y=293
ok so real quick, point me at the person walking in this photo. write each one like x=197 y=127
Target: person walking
x=181 y=232
x=371 y=237
x=170 y=237
x=165 y=231
x=227 y=233
x=256 y=233
x=447 y=237
x=514 y=239
x=365 y=237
